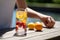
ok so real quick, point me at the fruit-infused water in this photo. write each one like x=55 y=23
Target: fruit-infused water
x=21 y=18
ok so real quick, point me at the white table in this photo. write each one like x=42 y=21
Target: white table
x=32 y=35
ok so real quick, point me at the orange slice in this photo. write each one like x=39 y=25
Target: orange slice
x=38 y=26
x=31 y=25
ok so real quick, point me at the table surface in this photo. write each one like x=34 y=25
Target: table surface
x=33 y=35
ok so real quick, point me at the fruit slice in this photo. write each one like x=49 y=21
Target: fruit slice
x=31 y=25
x=38 y=26
x=19 y=23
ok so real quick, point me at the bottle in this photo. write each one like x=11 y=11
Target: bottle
x=21 y=19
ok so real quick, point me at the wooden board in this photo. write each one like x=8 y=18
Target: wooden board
x=33 y=35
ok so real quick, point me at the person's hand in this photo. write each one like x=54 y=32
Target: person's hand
x=48 y=21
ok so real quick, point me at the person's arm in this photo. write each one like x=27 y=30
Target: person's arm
x=33 y=13
x=48 y=20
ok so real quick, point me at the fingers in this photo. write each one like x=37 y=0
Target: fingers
x=47 y=21
x=50 y=22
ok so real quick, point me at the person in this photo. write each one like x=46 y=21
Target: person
x=47 y=20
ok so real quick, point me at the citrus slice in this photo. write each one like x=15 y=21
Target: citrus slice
x=31 y=25
x=38 y=26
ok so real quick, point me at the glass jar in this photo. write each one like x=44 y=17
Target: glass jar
x=21 y=19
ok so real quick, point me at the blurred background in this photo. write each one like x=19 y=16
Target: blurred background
x=48 y=7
